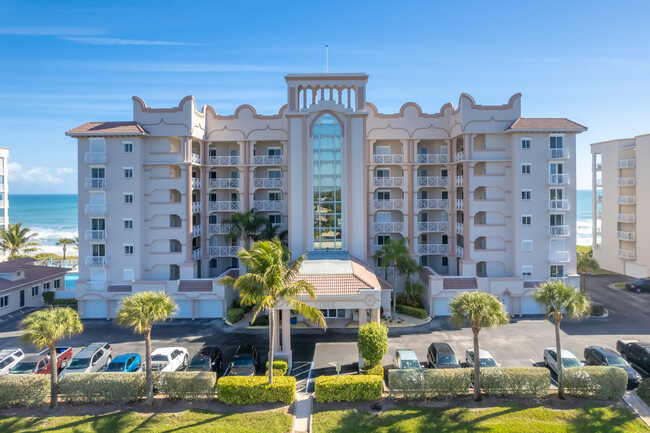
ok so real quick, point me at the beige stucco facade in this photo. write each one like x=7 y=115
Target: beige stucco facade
x=4 y=187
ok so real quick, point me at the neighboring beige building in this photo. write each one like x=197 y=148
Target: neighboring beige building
x=618 y=208
x=485 y=198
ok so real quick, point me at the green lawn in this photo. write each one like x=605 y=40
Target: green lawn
x=187 y=421
x=507 y=418
x=619 y=285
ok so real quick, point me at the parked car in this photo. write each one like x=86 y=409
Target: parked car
x=40 y=363
x=635 y=352
x=245 y=361
x=639 y=285
x=91 y=359
x=9 y=358
x=207 y=358
x=127 y=363
x=596 y=355
x=406 y=359
x=484 y=357
x=568 y=359
x=167 y=359
x=440 y=355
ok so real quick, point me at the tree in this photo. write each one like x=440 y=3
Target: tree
x=559 y=299
x=75 y=240
x=407 y=265
x=271 y=279
x=17 y=240
x=585 y=263
x=270 y=231
x=481 y=310
x=372 y=343
x=389 y=254
x=245 y=226
x=44 y=328
x=64 y=242
x=140 y=311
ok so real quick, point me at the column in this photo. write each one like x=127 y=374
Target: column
x=374 y=315
x=276 y=329
x=363 y=316
x=286 y=331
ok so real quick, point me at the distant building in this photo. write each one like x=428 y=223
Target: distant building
x=620 y=202
x=4 y=188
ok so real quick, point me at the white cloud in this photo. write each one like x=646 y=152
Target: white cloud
x=117 y=41
x=18 y=173
x=48 y=31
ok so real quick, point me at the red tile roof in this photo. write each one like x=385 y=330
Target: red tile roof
x=335 y=284
x=545 y=124
x=108 y=128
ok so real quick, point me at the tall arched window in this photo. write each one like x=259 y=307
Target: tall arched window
x=327 y=183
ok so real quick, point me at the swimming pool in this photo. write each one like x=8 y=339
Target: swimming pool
x=70 y=280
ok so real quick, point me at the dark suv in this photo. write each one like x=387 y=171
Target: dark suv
x=207 y=358
x=440 y=355
x=639 y=285
x=596 y=355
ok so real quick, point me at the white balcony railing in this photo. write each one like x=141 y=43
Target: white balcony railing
x=626 y=218
x=224 y=160
x=432 y=158
x=196 y=159
x=599 y=182
x=224 y=251
x=433 y=226
x=558 y=153
x=95 y=183
x=459 y=204
x=626 y=199
x=460 y=251
x=96 y=235
x=459 y=181
x=196 y=183
x=599 y=198
x=268 y=205
x=558 y=204
x=389 y=227
x=626 y=254
x=626 y=236
x=95 y=157
x=433 y=203
x=391 y=204
x=433 y=248
x=625 y=181
x=558 y=179
x=626 y=163
x=95 y=209
x=268 y=159
x=460 y=156
x=460 y=228
x=95 y=261
x=219 y=229
x=196 y=207
x=388 y=181
x=559 y=231
x=196 y=254
x=559 y=256
x=268 y=182
x=196 y=230
x=381 y=272
x=227 y=182
x=432 y=181
x=393 y=158
x=224 y=206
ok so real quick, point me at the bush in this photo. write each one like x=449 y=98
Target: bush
x=419 y=313
x=190 y=385
x=234 y=315
x=429 y=383
x=372 y=343
x=601 y=383
x=71 y=302
x=237 y=304
x=348 y=388
x=644 y=391
x=48 y=296
x=377 y=370
x=105 y=388
x=522 y=382
x=279 y=365
x=401 y=300
x=260 y=321
x=256 y=389
x=24 y=389
x=597 y=309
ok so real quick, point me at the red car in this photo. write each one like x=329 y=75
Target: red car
x=40 y=364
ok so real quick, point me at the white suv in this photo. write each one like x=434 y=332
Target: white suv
x=169 y=359
x=9 y=358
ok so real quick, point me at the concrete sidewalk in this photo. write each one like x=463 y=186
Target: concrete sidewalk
x=638 y=406
x=302 y=409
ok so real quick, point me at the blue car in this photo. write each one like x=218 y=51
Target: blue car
x=127 y=363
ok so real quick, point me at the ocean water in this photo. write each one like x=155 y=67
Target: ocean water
x=55 y=216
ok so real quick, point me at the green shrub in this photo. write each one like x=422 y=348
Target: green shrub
x=190 y=385
x=372 y=343
x=377 y=370
x=597 y=309
x=234 y=315
x=260 y=321
x=48 y=296
x=601 y=383
x=429 y=383
x=24 y=389
x=276 y=373
x=419 y=313
x=521 y=382
x=644 y=391
x=237 y=304
x=65 y=301
x=402 y=300
x=256 y=389
x=279 y=365
x=105 y=388
x=348 y=388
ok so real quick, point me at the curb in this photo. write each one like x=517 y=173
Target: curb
x=604 y=316
x=637 y=405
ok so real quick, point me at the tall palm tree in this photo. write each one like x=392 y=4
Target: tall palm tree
x=140 y=311
x=481 y=310
x=389 y=254
x=585 y=263
x=44 y=328
x=245 y=226
x=16 y=240
x=271 y=279
x=560 y=299
x=64 y=242
x=75 y=242
x=407 y=265
x=270 y=231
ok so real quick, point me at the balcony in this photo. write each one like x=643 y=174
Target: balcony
x=196 y=254
x=381 y=272
x=626 y=199
x=391 y=204
x=558 y=179
x=196 y=207
x=599 y=198
x=428 y=249
x=95 y=183
x=626 y=236
x=196 y=183
x=558 y=204
x=459 y=204
x=96 y=235
x=599 y=213
x=625 y=181
x=196 y=230
x=626 y=163
x=224 y=206
x=95 y=157
x=388 y=181
x=460 y=156
x=268 y=160
x=432 y=158
x=268 y=182
x=626 y=254
x=224 y=160
x=224 y=251
x=95 y=209
x=558 y=153
x=196 y=159
x=433 y=226
x=432 y=181
x=388 y=227
x=459 y=181
x=394 y=158
x=268 y=205
x=626 y=218
x=220 y=229
x=224 y=183
x=559 y=256
x=460 y=228
x=460 y=251
x=433 y=203
x=599 y=182
x=598 y=166
x=95 y=261
x=559 y=231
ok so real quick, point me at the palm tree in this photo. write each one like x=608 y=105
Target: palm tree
x=270 y=231
x=140 y=311
x=64 y=242
x=15 y=240
x=271 y=279
x=481 y=310
x=561 y=299
x=246 y=226
x=44 y=328
x=75 y=241
x=389 y=254
x=585 y=263
x=407 y=265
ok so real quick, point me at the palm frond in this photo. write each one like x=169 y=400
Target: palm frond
x=312 y=314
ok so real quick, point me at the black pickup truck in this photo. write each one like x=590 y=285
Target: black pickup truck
x=635 y=352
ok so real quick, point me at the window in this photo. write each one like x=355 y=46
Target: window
x=525 y=168
x=526 y=220
x=128 y=172
x=129 y=274
x=445 y=261
x=128 y=223
x=526 y=271
x=275 y=196
x=381 y=239
x=35 y=291
x=46 y=286
x=527 y=245
x=128 y=197
x=274 y=151
x=128 y=250
x=4 y=301
x=127 y=146
x=525 y=143
x=57 y=283
x=557 y=271
x=272 y=174
x=384 y=172
x=383 y=195
x=526 y=194
x=275 y=218
x=556 y=142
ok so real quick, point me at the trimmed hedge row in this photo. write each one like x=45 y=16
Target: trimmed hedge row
x=644 y=391
x=377 y=370
x=419 y=313
x=279 y=365
x=348 y=388
x=103 y=388
x=601 y=383
x=429 y=383
x=522 y=382
x=256 y=390
x=234 y=315
x=24 y=389
x=191 y=385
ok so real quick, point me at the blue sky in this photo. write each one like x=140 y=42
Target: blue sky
x=66 y=63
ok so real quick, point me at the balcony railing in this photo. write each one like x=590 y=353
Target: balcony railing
x=95 y=261
x=268 y=205
x=268 y=182
x=95 y=183
x=393 y=158
x=432 y=180
x=460 y=251
x=391 y=204
x=196 y=207
x=459 y=181
x=626 y=254
x=599 y=182
x=460 y=156
x=626 y=199
x=558 y=179
x=196 y=183
x=433 y=248
x=96 y=235
x=196 y=159
x=220 y=229
x=268 y=159
x=224 y=251
x=388 y=181
x=196 y=254
x=626 y=218
x=559 y=231
x=599 y=198
x=389 y=227
x=559 y=256
x=599 y=166
x=381 y=272
x=626 y=236
x=625 y=181
x=224 y=160
x=433 y=226
x=95 y=209
x=432 y=158
x=626 y=163
x=459 y=204
x=558 y=204
x=224 y=206
x=196 y=230
x=460 y=228
x=227 y=182
x=433 y=203
x=95 y=157
x=558 y=153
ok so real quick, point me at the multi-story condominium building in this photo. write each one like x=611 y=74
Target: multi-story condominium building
x=4 y=188
x=485 y=198
x=618 y=208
